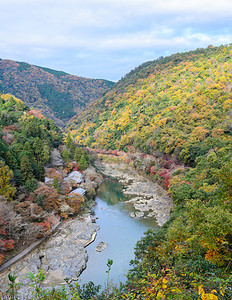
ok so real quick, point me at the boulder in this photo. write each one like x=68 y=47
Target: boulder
x=48 y=180
x=101 y=246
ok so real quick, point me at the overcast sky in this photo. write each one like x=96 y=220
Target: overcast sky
x=108 y=38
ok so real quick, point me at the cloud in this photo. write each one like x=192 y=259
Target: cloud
x=113 y=34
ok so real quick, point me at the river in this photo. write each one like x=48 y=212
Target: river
x=64 y=255
x=118 y=230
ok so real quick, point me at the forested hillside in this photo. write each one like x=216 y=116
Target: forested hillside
x=178 y=110
x=57 y=94
x=170 y=105
x=30 y=147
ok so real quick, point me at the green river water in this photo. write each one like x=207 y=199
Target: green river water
x=118 y=230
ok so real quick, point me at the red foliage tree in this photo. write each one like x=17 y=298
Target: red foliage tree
x=6 y=245
x=165 y=175
x=76 y=167
x=153 y=170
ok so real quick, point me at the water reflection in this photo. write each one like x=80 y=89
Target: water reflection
x=111 y=191
x=118 y=230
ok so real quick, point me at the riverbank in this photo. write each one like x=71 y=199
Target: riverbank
x=62 y=256
x=148 y=199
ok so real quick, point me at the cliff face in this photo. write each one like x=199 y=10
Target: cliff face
x=57 y=94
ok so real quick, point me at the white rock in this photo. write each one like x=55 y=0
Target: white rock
x=101 y=246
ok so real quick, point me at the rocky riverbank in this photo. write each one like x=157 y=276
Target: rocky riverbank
x=62 y=256
x=148 y=198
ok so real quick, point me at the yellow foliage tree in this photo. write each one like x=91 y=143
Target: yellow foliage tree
x=6 y=189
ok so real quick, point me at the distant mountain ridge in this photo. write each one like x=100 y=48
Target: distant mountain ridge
x=57 y=94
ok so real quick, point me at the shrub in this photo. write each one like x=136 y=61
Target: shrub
x=31 y=185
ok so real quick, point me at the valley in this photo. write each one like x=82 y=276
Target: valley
x=161 y=138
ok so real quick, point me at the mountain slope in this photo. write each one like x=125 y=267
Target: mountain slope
x=32 y=191
x=57 y=94
x=171 y=105
x=179 y=110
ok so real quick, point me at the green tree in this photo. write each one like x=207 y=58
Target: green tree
x=83 y=164
x=71 y=146
x=11 y=160
x=41 y=171
x=3 y=149
x=13 y=287
x=26 y=168
x=46 y=154
x=78 y=153
x=38 y=147
x=56 y=184
x=31 y=185
x=27 y=149
x=69 y=141
x=65 y=155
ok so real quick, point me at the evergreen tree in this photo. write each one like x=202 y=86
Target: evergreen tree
x=38 y=146
x=41 y=171
x=72 y=150
x=26 y=168
x=78 y=153
x=69 y=141
x=27 y=149
x=65 y=155
x=1 y=102
x=56 y=184
x=11 y=160
x=52 y=125
x=83 y=164
x=70 y=145
x=46 y=154
x=31 y=185
x=3 y=149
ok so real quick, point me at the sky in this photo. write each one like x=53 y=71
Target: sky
x=108 y=38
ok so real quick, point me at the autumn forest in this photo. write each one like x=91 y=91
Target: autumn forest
x=171 y=119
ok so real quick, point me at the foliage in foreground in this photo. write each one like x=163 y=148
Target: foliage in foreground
x=68 y=291
x=166 y=286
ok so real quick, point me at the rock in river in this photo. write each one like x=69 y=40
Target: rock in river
x=101 y=246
